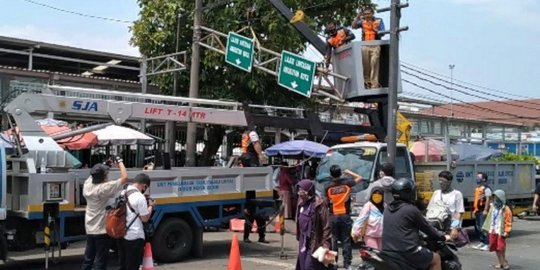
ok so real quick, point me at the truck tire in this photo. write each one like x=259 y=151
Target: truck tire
x=3 y=245
x=173 y=240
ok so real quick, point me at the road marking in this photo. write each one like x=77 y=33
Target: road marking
x=269 y=262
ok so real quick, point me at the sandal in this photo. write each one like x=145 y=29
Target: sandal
x=506 y=267
x=497 y=266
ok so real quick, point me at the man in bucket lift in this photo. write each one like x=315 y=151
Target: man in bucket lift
x=371 y=26
x=336 y=38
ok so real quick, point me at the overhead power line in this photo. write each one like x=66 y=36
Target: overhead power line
x=464 y=104
x=466 y=93
x=77 y=13
x=428 y=98
x=468 y=83
x=469 y=88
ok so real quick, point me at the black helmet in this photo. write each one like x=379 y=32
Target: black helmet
x=404 y=189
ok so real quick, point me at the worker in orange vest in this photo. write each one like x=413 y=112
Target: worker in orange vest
x=371 y=28
x=338 y=193
x=336 y=38
x=482 y=198
x=252 y=153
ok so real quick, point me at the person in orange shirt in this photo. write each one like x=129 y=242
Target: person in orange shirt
x=336 y=38
x=338 y=193
x=482 y=198
x=371 y=28
x=499 y=225
x=252 y=153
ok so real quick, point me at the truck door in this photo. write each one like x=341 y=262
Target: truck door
x=3 y=178
x=403 y=164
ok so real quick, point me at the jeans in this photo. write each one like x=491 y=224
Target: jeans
x=131 y=254
x=341 y=231
x=96 y=252
x=478 y=223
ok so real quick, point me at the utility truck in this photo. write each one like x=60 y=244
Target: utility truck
x=517 y=179
x=39 y=190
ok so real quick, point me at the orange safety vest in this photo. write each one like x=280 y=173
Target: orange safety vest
x=340 y=196
x=479 y=198
x=247 y=145
x=367 y=29
x=338 y=39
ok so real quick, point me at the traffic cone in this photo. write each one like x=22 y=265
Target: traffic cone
x=148 y=262
x=234 y=257
x=278 y=224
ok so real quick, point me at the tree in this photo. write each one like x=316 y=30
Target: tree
x=155 y=34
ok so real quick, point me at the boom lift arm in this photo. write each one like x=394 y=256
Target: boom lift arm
x=121 y=106
x=301 y=27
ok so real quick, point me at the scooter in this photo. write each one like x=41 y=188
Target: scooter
x=374 y=259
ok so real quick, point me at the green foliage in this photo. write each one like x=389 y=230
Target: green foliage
x=515 y=157
x=155 y=34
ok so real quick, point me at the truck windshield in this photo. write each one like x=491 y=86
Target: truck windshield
x=403 y=169
x=358 y=159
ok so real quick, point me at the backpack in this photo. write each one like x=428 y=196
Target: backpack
x=115 y=219
x=438 y=212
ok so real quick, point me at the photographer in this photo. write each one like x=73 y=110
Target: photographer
x=139 y=210
x=97 y=191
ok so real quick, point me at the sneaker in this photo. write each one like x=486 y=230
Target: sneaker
x=479 y=246
x=484 y=247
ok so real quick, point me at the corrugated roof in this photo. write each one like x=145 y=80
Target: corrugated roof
x=524 y=112
x=68 y=74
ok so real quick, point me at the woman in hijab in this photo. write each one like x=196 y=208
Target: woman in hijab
x=313 y=227
x=369 y=224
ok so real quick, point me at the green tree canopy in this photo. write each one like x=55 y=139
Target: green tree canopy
x=155 y=34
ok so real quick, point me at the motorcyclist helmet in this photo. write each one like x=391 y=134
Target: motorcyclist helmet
x=404 y=189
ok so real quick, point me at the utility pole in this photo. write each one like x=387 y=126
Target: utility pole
x=451 y=67
x=144 y=89
x=170 y=126
x=447 y=141
x=393 y=83
x=191 y=135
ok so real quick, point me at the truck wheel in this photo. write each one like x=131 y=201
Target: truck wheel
x=173 y=240
x=3 y=246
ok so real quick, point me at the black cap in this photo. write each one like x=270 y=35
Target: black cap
x=98 y=173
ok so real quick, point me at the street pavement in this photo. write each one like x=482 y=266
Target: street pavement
x=522 y=252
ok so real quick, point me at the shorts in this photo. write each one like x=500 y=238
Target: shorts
x=496 y=242
x=421 y=258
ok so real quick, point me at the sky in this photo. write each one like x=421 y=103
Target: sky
x=491 y=43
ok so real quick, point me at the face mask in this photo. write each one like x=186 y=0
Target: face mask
x=303 y=195
x=498 y=203
x=479 y=181
x=446 y=186
x=376 y=198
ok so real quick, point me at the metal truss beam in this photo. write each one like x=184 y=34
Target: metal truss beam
x=268 y=61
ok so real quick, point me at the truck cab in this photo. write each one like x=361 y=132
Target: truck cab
x=365 y=159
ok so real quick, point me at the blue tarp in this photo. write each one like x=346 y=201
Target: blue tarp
x=475 y=152
x=298 y=147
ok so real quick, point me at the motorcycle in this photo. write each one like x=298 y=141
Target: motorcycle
x=374 y=259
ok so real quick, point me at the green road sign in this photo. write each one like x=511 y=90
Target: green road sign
x=239 y=51
x=296 y=73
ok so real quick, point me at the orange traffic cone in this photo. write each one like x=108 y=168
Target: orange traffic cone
x=234 y=257
x=148 y=262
